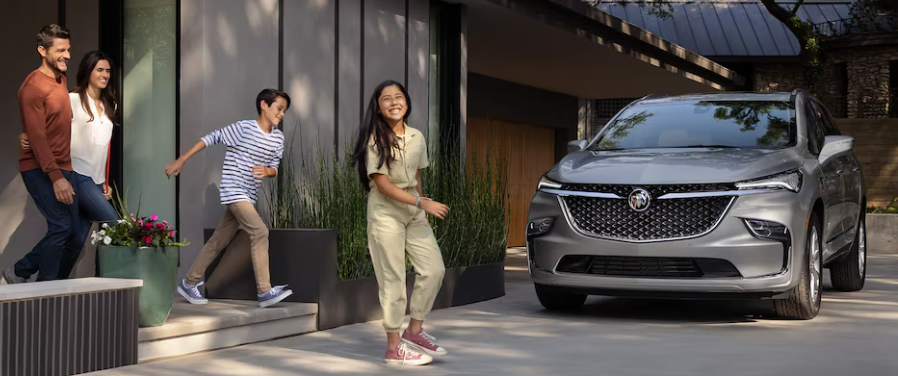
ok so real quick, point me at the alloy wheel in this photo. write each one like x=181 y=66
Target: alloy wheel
x=862 y=249
x=814 y=267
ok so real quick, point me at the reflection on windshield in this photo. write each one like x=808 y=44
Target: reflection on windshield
x=722 y=124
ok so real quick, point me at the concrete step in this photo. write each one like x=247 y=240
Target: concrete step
x=222 y=323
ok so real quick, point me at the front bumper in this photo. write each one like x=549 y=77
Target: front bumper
x=764 y=266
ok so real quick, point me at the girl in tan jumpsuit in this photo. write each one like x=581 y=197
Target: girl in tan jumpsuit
x=388 y=155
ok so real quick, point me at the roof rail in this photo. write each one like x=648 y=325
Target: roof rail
x=793 y=96
x=653 y=96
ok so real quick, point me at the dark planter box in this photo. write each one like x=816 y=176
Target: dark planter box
x=306 y=260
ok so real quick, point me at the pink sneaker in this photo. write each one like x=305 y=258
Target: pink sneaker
x=403 y=354
x=423 y=342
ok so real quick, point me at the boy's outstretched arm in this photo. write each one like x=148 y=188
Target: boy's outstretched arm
x=175 y=167
x=227 y=136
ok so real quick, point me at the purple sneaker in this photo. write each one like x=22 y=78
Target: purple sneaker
x=274 y=296
x=405 y=355
x=423 y=342
x=191 y=292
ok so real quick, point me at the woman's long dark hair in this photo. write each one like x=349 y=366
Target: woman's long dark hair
x=374 y=125
x=107 y=95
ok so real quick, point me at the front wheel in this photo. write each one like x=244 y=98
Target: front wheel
x=850 y=273
x=803 y=302
x=555 y=300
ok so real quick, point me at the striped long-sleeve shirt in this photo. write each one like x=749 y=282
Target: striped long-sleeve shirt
x=248 y=147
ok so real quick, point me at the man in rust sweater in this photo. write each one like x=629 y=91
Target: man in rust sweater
x=46 y=115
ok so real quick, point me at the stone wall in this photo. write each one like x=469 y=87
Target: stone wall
x=868 y=78
x=778 y=77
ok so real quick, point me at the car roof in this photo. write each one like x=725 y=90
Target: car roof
x=722 y=96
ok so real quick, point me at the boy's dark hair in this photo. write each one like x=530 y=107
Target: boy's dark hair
x=50 y=32
x=269 y=96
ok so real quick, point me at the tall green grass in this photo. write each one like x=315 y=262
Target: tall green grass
x=325 y=193
x=475 y=232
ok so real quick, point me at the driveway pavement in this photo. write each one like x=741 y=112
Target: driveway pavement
x=513 y=335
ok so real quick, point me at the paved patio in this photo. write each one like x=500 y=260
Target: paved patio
x=513 y=335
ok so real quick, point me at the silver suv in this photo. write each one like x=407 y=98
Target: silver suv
x=745 y=195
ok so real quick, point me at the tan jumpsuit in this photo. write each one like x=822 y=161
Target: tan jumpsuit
x=396 y=229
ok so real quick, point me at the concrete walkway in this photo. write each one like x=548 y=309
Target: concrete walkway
x=513 y=335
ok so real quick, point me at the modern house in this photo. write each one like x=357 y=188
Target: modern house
x=516 y=70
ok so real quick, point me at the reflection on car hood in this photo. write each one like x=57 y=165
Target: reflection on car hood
x=673 y=166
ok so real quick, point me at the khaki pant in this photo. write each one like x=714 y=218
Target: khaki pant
x=239 y=215
x=394 y=231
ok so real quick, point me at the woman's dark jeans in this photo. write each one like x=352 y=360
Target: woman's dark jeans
x=92 y=207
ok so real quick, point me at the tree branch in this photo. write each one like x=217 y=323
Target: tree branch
x=777 y=11
x=795 y=9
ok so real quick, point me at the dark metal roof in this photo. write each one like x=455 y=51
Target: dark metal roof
x=722 y=96
x=727 y=27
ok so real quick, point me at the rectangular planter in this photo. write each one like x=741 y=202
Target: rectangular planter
x=297 y=258
x=306 y=259
x=882 y=233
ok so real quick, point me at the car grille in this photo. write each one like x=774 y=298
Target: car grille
x=654 y=190
x=665 y=219
x=669 y=267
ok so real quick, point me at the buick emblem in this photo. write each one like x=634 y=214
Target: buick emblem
x=640 y=200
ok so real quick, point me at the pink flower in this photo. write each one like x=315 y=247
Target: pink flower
x=171 y=234
x=140 y=222
x=165 y=223
x=147 y=240
x=154 y=217
x=160 y=226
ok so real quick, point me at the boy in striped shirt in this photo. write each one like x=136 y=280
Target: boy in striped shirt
x=254 y=152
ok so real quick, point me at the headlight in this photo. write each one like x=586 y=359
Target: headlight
x=790 y=181
x=540 y=226
x=768 y=230
x=547 y=183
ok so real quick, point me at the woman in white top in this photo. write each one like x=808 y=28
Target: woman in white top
x=91 y=133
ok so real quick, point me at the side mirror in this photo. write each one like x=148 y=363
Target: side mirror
x=576 y=145
x=834 y=146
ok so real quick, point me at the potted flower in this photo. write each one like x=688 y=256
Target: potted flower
x=143 y=248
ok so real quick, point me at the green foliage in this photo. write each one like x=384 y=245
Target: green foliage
x=331 y=198
x=282 y=193
x=889 y=209
x=475 y=232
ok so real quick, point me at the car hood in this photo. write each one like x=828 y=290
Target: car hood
x=673 y=166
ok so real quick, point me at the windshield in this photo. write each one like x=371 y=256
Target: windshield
x=682 y=124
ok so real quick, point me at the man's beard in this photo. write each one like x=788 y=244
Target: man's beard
x=54 y=65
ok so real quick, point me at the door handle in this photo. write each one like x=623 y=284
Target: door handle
x=856 y=169
x=840 y=172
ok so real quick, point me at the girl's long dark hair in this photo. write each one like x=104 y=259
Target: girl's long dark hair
x=107 y=95
x=374 y=125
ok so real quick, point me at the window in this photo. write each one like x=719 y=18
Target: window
x=816 y=134
x=680 y=124
x=149 y=93
x=829 y=125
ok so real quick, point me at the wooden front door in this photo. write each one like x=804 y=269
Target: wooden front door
x=530 y=152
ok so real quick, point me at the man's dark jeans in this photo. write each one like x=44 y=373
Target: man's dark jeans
x=46 y=257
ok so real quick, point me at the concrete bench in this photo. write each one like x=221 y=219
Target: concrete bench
x=68 y=327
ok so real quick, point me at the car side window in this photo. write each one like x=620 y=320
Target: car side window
x=815 y=129
x=829 y=126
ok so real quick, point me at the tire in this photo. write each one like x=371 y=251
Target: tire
x=556 y=300
x=803 y=302
x=850 y=273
